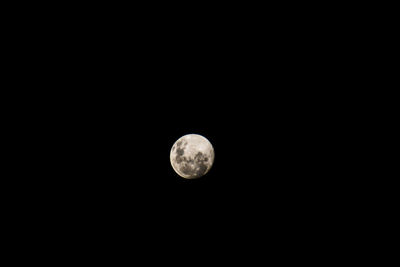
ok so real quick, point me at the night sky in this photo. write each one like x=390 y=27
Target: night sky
x=113 y=100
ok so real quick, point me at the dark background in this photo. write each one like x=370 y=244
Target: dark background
x=112 y=93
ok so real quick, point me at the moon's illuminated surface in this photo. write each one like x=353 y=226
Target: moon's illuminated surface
x=192 y=156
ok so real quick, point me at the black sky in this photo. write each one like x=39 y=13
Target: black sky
x=114 y=96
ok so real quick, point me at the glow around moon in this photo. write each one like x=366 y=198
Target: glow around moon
x=192 y=156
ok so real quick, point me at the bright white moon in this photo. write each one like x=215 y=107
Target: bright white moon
x=192 y=156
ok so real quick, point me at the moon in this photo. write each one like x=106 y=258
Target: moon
x=192 y=156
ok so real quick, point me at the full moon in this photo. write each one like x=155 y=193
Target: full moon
x=192 y=156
